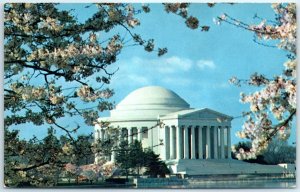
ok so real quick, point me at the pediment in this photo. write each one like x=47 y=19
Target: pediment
x=205 y=114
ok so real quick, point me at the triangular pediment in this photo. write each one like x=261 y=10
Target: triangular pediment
x=205 y=114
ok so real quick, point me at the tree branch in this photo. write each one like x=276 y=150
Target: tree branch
x=35 y=67
x=278 y=126
x=31 y=167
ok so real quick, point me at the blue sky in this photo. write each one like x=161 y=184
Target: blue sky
x=198 y=64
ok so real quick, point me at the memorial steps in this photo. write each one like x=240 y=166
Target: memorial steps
x=224 y=166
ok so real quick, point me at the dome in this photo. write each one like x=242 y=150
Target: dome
x=149 y=102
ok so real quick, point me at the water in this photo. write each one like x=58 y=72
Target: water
x=257 y=184
x=242 y=185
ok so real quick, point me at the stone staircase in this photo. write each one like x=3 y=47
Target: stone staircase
x=224 y=166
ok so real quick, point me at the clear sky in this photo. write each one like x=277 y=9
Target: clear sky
x=198 y=64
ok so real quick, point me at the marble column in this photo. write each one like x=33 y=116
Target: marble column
x=186 y=142
x=172 y=143
x=124 y=134
x=120 y=136
x=150 y=130
x=107 y=137
x=105 y=134
x=113 y=156
x=102 y=134
x=178 y=143
x=134 y=133
x=200 y=142
x=222 y=142
x=228 y=143
x=193 y=143
x=167 y=143
x=215 y=142
x=208 y=142
x=129 y=135
x=97 y=135
x=140 y=134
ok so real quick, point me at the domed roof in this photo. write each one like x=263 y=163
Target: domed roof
x=153 y=95
x=150 y=101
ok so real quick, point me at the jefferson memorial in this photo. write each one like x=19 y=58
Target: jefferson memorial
x=189 y=140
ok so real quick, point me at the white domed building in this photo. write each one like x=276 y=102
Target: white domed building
x=190 y=141
x=165 y=123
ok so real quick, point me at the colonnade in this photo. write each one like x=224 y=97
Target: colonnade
x=180 y=142
x=197 y=142
x=130 y=134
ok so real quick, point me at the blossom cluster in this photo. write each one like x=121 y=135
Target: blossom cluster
x=181 y=9
x=284 y=29
x=74 y=50
x=241 y=154
x=131 y=21
x=48 y=23
x=30 y=93
x=92 y=171
x=87 y=94
x=271 y=96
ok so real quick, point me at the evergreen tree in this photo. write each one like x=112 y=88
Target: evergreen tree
x=154 y=166
x=122 y=157
x=136 y=156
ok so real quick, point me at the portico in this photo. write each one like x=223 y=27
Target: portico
x=196 y=134
x=188 y=142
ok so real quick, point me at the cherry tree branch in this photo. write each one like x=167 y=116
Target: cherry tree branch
x=278 y=126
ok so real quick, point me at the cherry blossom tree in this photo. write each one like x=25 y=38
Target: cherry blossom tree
x=92 y=172
x=273 y=105
x=70 y=171
x=53 y=64
x=108 y=169
x=34 y=162
x=51 y=61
